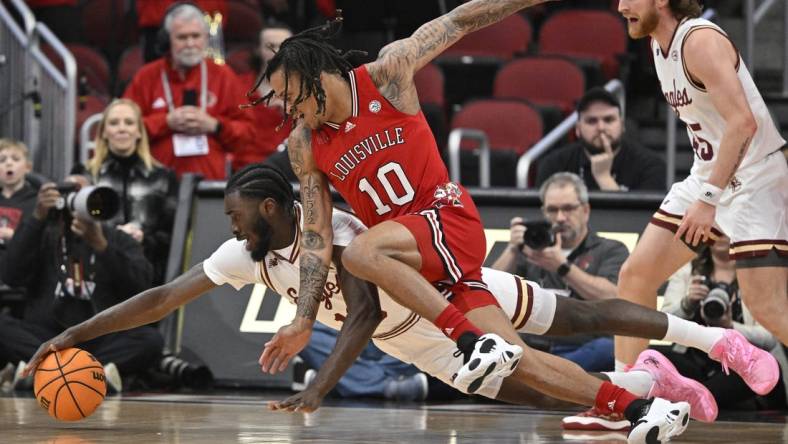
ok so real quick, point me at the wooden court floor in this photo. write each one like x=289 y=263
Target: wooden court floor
x=244 y=419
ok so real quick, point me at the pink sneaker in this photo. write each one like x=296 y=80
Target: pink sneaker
x=670 y=385
x=593 y=419
x=757 y=367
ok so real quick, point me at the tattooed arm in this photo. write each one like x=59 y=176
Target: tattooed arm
x=393 y=71
x=315 y=257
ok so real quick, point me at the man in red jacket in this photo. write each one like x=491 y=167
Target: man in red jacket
x=189 y=103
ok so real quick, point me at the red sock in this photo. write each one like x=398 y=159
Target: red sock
x=612 y=398
x=453 y=323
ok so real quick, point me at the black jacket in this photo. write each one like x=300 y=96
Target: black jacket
x=35 y=258
x=634 y=167
x=149 y=198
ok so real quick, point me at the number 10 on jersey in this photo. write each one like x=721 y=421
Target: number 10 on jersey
x=391 y=170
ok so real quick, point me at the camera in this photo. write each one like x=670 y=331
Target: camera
x=92 y=202
x=538 y=235
x=716 y=303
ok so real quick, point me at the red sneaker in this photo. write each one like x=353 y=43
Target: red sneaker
x=593 y=419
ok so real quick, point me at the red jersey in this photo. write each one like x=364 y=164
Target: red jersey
x=383 y=162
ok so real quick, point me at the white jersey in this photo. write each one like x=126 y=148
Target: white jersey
x=402 y=333
x=693 y=105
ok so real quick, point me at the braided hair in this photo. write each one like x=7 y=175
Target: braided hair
x=308 y=54
x=258 y=181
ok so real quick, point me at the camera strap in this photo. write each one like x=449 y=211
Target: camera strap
x=72 y=280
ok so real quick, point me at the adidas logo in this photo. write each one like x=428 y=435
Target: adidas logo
x=349 y=126
x=611 y=405
x=447 y=331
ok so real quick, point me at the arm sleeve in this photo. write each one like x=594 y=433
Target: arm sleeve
x=346 y=227
x=155 y=122
x=613 y=258
x=231 y=264
x=124 y=265
x=238 y=128
x=24 y=253
x=653 y=170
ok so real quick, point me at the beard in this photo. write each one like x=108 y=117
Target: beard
x=188 y=57
x=594 y=149
x=263 y=232
x=648 y=23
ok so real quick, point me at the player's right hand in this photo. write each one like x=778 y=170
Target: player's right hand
x=48 y=197
x=516 y=232
x=285 y=344
x=59 y=342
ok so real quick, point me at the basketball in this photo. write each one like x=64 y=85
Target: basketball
x=70 y=384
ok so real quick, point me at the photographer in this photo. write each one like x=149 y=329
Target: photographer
x=578 y=264
x=706 y=292
x=73 y=267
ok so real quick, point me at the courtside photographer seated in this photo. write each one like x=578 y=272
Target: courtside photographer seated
x=562 y=254
x=73 y=267
x=706 y=291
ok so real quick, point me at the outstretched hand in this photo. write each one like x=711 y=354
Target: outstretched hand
x=285 y=344
x=306 y=401
x=59 y=342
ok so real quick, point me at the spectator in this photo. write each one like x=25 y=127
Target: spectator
x=373 y=375
x=147 y=190
x=73 y=268
x=267 y=116
x=580 y=264
x=189 y=103
x=602 y=156
x=19 y=195
x=687 y=296
x=150 y=14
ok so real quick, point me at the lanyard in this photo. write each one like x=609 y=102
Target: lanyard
x=165 y=83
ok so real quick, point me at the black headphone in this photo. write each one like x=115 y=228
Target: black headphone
x=163 y=36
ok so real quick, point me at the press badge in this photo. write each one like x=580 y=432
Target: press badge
x=185 y=145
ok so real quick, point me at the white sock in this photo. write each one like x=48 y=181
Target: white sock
x=637 y=382
x=690 y=334
x=620 y=366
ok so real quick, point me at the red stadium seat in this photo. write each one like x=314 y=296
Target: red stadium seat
x=86 y=107
x=92 y=67
x=504 y=39
x=509 y=124
x=549 y=81
x=586 y=34
x=429 y=84
x=130 y=62
x=239 y=59
x=109 y=24
x=243 y=22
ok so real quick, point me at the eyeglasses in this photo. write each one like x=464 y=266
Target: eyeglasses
x=566 y=209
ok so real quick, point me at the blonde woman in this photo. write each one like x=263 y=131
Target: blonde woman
x=122 y=160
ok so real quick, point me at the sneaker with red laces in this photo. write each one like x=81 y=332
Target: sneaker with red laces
x=670 y=385
x=593 y=419
x=757 y=367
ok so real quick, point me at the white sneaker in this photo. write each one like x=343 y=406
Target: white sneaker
x=114 y=383
x=22 y=383
x=492 y=356
x=660 y=421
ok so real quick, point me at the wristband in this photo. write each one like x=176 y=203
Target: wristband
x=710 y=194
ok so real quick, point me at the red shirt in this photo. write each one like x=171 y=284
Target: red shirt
x=225 y=93
x=383 y=162
x=266 y=120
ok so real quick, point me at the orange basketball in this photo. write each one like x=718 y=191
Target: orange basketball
x=70 y=384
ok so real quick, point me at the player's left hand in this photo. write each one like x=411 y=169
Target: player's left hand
x=306 y=401
x=285 y=344
x=697 y=223
x=549 y=258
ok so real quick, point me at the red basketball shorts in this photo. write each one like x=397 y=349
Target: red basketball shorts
x=452 y=246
